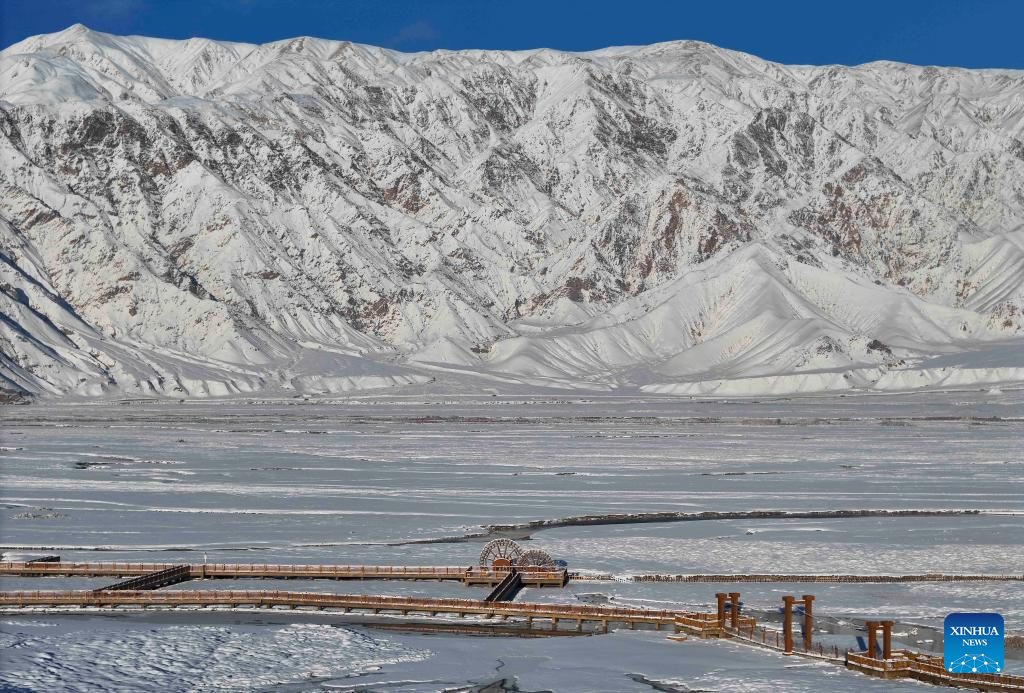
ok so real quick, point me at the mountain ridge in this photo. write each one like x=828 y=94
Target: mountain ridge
x=316 y=216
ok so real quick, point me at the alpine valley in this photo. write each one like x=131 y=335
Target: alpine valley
x=200 y=218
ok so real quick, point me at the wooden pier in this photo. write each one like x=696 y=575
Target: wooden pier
x=511 y=618
x=903 y=664
x=811 y=577
x=469 y=575
x=493 y=615
x=601 y=617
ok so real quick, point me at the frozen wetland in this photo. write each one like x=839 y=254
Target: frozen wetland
x=369 y=480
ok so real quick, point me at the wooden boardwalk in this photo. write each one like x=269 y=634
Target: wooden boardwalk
x=561 y=619
x=470 y=575
x=602 y=616
x=811 y=577
x=929 y=669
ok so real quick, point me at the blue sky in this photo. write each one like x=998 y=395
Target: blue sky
x=978 y=33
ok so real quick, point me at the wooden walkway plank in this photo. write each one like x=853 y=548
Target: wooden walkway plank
x=259 y=598
x=152 y=581
x=471 y=575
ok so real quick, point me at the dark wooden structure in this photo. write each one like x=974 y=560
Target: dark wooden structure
x=507 y=589
x=152 y=581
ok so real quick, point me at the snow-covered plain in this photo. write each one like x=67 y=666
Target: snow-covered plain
x=362 y=480
x=592 y=243
x=316 y=657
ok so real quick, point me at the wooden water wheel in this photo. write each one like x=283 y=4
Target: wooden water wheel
x=500 y=553
x=535 y=558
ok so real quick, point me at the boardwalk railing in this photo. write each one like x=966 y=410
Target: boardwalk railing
x=925 y=671
x=806 y=577
x=886 y=668
x=904 y=664
x=929 y=669
x=470 y=574
x=232 y=569
x=529 y=575
x=260 y=598
x=770 y=638
x=104 y=569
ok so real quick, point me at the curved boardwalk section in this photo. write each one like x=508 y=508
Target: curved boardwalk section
x=902 y=664
x=344 y=602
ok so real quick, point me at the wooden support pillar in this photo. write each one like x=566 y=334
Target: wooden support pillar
x=604 y=623
x=808 y=620
x=787 y=624
x=721 y=597
x=734 y=606
x=887 y=639
x=872 y=627
x=554 y=623
x=579 y=625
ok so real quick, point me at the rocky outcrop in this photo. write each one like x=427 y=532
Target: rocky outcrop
x=195 y=218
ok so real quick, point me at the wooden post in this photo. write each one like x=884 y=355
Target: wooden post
x=734 y=606
x=787 y=624
x=872 y=627
x=721 y=597
x=808 y=620
x=887 y=639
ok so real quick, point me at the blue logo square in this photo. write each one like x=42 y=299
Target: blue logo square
x=973 y=643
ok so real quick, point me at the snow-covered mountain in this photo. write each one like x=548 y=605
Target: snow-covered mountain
x=194 y=218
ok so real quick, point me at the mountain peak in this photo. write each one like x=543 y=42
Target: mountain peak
x=199 y=218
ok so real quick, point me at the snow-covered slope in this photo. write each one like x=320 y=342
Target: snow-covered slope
x=195 y=218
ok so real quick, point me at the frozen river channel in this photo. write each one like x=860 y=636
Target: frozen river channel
x=369 y=480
